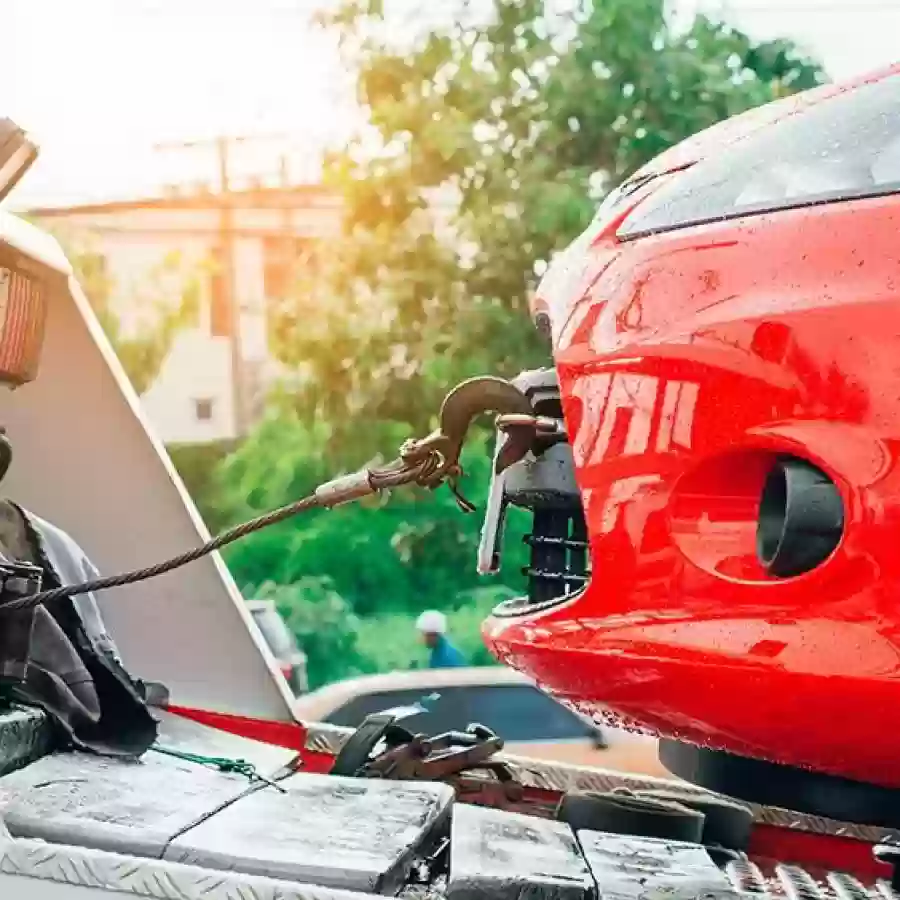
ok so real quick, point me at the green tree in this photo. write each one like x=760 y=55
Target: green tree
x=393 y=554
x=170 y=299
x=493 y=132
x=324 y=624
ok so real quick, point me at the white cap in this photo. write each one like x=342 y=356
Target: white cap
x=432 y=622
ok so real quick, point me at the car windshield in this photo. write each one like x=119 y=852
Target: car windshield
x=275 y=631
x=843 y=147
x=515 y=712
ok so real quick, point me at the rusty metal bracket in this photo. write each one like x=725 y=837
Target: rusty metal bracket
x=524 y=432
x=462 y=759
x=460 y=408
x=356 y=754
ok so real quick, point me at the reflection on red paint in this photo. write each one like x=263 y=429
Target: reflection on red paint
x=700 y=355
x=624 y=414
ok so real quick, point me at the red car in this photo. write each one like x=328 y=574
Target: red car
x=727 y=341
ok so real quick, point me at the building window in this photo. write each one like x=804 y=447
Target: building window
x=203 y=409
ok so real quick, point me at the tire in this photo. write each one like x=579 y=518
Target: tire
x=727 y=824
x=620 y=813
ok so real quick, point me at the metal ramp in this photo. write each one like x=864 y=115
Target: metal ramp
x=340 y=833
x=170 y=829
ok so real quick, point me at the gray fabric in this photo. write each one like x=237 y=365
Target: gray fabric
x=73 y=565
x=58 y=656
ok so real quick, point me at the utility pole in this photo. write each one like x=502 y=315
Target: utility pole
x=222 y=146
x=226 y=260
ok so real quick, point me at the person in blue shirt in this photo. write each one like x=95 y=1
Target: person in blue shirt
x=432 y=625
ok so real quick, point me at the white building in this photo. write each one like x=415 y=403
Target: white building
x=148 y=252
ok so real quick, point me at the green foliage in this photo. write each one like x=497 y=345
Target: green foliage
x=142 y=355
x=198 y=466
x=390 y=641
x=324 y=624
x=340 y=644
x=169 y=299
x=403 y=553
x=491 y=139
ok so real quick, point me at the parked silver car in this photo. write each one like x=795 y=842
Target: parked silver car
x=282 y=643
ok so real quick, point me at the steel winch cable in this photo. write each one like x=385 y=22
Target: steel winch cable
x=336 y=492
x=428 y=462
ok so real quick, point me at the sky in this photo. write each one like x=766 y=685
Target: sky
x=107 y=86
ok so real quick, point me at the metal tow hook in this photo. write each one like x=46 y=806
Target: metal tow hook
x=460 y=408
x=518 y=434
x=523 y=432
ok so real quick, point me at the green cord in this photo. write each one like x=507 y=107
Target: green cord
x=222 y=763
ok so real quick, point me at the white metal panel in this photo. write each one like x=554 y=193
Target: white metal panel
x=32 y=241
x=84 y=459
